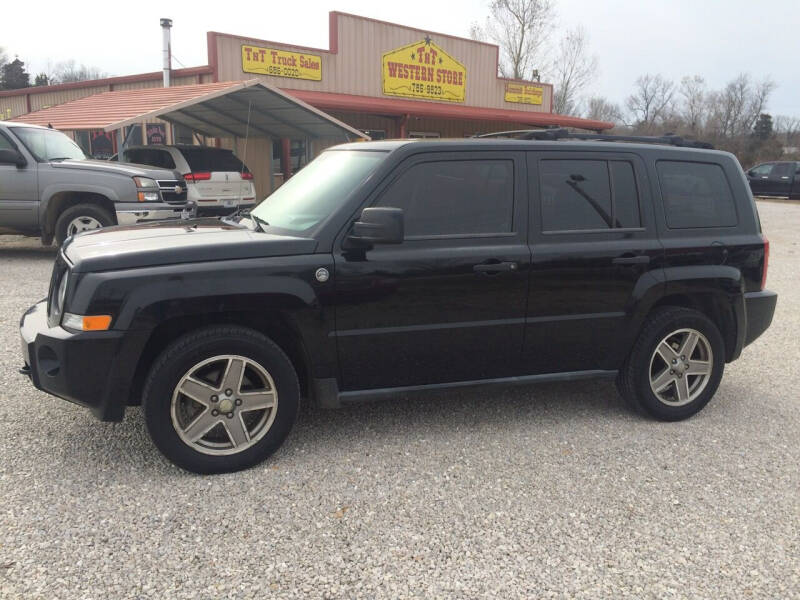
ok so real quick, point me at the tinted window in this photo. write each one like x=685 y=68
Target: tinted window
x=455 y=197
x=212 y=159
x=577 y=195
x=5 y=144
x=695 y=195
x=150 y=156
x=626 y=195
x=783 y=170
x=762 y=170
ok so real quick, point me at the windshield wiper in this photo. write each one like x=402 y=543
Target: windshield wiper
x=258 y=221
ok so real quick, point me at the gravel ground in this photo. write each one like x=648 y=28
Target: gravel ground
x=553 y=491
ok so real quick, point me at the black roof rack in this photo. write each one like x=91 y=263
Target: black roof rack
x=564 y=134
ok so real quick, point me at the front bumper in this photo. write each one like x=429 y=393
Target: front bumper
x=131 y=213
x=93 y=369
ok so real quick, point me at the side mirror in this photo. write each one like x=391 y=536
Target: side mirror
x=9 y=156
x=751 y=173
x=378 y=226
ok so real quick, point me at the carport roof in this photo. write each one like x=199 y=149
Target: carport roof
x=221 y=109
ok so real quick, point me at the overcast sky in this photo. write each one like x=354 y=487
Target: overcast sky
x=716 y=39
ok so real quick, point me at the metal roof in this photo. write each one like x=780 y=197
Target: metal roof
x=221 y=109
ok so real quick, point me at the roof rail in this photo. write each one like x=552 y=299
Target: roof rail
x=564 y=134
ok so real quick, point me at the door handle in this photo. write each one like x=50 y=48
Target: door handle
x=498 y=267
x=785 y=177
x=641 y=259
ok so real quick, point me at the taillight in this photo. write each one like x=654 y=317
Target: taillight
x=247 y=176
x=192 y=177
x=766 y=262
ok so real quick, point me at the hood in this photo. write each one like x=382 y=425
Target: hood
x=109 y=166
x=176 y=242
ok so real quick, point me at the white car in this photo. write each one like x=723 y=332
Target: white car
x=216 y=180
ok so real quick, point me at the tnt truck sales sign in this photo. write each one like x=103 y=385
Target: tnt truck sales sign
x=424 y=70
x=280 y=63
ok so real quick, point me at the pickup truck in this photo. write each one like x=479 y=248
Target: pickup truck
x=49 y=188
x=775 y=179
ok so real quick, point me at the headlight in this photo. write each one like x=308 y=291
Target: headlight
x=145 y=182
x=57 y=301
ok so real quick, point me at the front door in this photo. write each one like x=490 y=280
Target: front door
x=759 y=178
x=448 y=304
x=593 y=237
x=19 y=194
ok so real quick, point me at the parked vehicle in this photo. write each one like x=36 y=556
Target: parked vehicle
x=217 y=181
x=395 y=266
x=49 y=188
x=775 y=179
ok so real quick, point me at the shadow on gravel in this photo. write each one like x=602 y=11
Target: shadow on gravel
x=121 y=448
x=27 y=252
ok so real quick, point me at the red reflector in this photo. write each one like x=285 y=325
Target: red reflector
x=196 y=177
x=766 y=262
x=247 y=175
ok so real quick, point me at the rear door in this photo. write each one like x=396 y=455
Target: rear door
x=781 y=178
x=448 y=304
x=218 y=175
x=593 y=239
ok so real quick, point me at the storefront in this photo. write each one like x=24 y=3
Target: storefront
x=384 y=79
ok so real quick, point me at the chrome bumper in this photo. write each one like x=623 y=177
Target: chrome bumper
x=130 y=215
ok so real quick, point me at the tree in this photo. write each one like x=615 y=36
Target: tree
x=14 y=75
x=573 y=70
x=68 y=72
x=521 y=28
x=788 y=130
x=3 y=57
x=735 y=109
x=41 y=79
x=763 y=127
x=651 y=101
x=601 y=109
x=694 y=110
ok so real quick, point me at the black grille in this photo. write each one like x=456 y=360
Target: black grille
x=168 y=191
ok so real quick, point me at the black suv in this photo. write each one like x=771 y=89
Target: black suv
x=392 y=266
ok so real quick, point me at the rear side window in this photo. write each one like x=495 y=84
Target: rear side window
x=456 y=197
x=150 y=156
x=212 y=159
x=579 y=195
x=695 y=195
x=783 y=170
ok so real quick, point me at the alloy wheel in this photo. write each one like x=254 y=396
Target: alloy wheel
x=224 y=405
x=681 y=367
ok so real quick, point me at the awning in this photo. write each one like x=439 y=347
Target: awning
x=225 y=109
x=441 y=110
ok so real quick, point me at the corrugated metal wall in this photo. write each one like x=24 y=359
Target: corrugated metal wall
x=356 y=68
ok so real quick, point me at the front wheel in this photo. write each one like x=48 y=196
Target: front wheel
x=675 y=366
x=79 y=218
x=220 y=399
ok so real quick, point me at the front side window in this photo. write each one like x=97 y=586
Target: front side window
x=695 y=195
x=580 y=195
x=317 y=191
x=49 y=144
x=5 y=144
x=761 y=170
x=454 y=197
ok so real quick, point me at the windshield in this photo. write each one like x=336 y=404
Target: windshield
x=49 y=144
x=318 y=190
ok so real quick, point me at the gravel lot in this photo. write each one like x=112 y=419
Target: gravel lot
x=550 y=491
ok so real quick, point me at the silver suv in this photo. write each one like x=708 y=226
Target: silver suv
x=217 y=181
x=49 y=188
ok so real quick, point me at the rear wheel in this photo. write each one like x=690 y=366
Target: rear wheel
x=81 y=217
x=675 y=366
x=221 y=399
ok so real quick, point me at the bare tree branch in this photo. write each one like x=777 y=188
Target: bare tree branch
x=573 y=70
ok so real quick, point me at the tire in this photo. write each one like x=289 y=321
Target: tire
x=175 y=419
x=90 y=215
x=684 y=387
